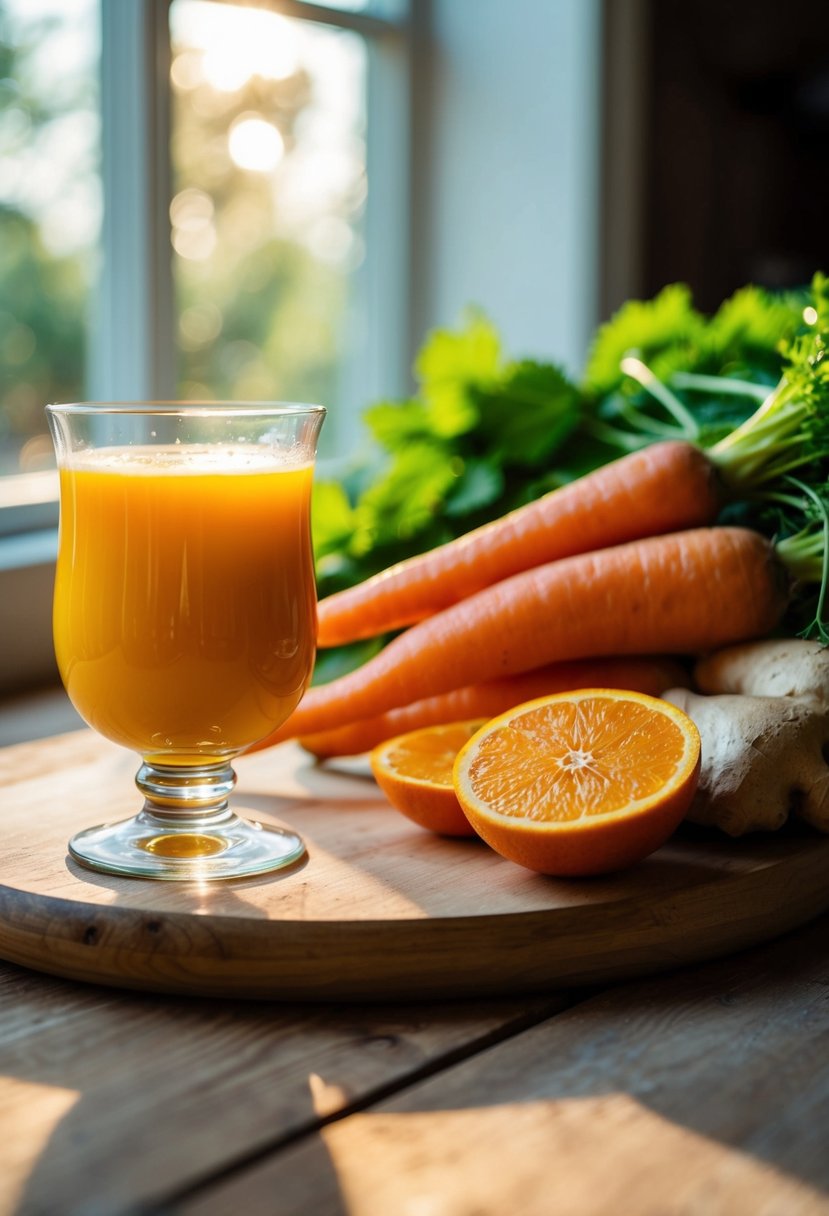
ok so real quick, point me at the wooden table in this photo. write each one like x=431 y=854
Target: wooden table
x=701 y=1091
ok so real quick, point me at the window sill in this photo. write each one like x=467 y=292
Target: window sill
x=25 y=549
x=27 y=575
x=28 y=502
x=36 y=715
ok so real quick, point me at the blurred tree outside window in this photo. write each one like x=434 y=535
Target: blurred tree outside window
x=268 y=139
x=209 y=234
x=268 y=150
x=50 y=214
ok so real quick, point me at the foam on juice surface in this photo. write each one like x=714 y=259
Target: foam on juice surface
x=188 y=458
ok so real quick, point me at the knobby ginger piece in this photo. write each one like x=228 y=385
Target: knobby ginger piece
x=765 y=735
x=779 y=667
x=763 y=758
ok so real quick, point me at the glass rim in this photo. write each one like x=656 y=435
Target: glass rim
x=187 y=409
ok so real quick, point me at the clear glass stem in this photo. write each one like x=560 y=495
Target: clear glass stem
x=186 y=831
x=171 y=791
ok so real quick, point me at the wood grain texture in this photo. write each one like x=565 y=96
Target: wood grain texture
x=110 y=1102
x=380 y=909
x=702 y=1094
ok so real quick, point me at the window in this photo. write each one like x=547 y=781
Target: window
x=50 y=213
x=185 y=210
x=269 y=178
x=264 y=293
x=453 y=159
x=50 y=210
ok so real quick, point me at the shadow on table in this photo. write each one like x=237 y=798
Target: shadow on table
x=698 y=1091
x=418 y=856
x=705 y=1086
x=129 y=1099
x=701 y=1092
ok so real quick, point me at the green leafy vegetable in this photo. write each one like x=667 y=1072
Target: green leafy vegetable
x=483 y=434
x=665 y=332
x=480 y=483
x=479 y=437
x=787 y=432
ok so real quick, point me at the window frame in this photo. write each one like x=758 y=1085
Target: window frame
x=132 y=350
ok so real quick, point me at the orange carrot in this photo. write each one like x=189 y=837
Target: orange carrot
x=678 y=594
x=649 y=675
x=662 y=488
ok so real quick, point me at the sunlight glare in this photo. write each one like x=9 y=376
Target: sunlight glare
x=227 y=70
x=199 y=325
x=194 y=233
x=237 y=43
x=36 y=454
x=195 y=245
x=330 y=239
x=191 y=209
x=255 y=144
x=186 y=70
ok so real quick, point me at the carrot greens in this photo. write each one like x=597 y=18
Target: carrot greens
x=483 y=434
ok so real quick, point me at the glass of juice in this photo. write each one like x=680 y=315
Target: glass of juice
x=185 y=614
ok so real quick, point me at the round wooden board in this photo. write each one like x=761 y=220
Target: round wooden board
x=379 y=910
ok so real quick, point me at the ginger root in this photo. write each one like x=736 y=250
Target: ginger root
x=765 y=736
x=780 y=667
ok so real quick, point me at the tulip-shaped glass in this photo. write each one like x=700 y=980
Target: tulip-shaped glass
x=185 y=614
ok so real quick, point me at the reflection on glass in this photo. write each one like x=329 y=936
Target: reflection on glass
x=50 y=213
x=268 y=154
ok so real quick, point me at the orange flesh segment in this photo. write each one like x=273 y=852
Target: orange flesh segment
x=573 y=759
x=429 y=754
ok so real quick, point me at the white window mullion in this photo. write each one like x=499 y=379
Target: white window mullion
x=132 y=350
x=376 y=359
x=388 y=216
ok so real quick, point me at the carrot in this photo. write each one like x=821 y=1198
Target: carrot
x=682 y=593
x=662 y=488
x=649 y=675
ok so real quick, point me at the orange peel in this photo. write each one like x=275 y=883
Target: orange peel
x=580 y=783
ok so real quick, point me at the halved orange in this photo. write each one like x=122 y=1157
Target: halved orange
x=414 y=771
x=582 y=782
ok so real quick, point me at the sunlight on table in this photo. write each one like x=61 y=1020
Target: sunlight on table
x=29 y=1115
x=572 y=1156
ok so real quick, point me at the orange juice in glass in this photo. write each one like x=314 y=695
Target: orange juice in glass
x=185 y=613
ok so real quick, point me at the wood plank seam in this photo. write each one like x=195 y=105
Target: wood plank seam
x=563 y=1002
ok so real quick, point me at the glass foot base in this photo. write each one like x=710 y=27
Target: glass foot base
x=197 y=848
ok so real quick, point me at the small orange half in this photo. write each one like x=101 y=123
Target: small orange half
x=414 y=771
x=582 y=782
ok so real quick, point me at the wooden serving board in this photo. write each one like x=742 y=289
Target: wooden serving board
x=379 y=909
